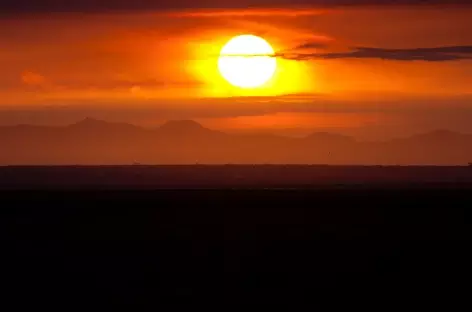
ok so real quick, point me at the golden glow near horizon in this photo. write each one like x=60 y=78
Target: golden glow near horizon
x=246 y=61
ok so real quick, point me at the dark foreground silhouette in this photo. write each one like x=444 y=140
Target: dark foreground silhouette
x=233 y=176
x=374 y=246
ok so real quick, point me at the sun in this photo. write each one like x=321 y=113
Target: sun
x=247 y=61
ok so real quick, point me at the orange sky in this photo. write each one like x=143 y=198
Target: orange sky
x=165 y=63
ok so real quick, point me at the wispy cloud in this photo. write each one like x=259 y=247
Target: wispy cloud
x=35 y=79
x=311 y=45
x=284 y=12
x=48 y=6
x=32 y=78
x=436 y=54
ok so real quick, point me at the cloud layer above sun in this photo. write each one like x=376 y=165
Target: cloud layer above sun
x=91 y=6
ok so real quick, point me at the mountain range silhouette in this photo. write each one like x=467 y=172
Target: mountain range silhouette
x=92 y=141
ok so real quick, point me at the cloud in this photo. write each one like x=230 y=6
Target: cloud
x=34 y=79
x=92 y=6
x=241 y=106
x=237 y=12
x=31 y=78
x=310 y=46
x=137 y=84
x=285 y=12
x=437 y=54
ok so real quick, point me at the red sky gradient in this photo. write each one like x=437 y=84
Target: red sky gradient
x=147 y=65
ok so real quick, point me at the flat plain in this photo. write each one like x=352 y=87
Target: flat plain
x=148 y=235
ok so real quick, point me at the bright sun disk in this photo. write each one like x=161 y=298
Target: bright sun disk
x=247 y=61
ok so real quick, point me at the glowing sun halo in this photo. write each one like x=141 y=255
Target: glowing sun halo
x=245 y=61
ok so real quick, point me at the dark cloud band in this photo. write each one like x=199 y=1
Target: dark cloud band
x=49 y=6
x=437 y=54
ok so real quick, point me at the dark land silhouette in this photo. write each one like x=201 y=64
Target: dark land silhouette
x=326 y=247
x=258 y=177
x=95 y=142
x=231 y=235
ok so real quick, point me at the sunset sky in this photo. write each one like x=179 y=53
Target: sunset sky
x=356 y=67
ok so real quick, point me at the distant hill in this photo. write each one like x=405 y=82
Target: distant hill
x=184 y=127
x=92 y=141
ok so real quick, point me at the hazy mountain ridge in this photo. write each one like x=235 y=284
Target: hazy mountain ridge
x=92 y=141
